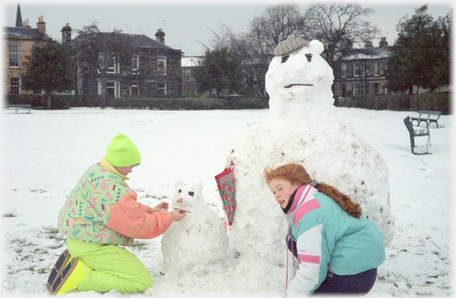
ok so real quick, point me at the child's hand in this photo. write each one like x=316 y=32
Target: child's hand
x=160 y=207
x=178 y=214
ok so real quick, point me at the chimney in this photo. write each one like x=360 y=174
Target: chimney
x=41 y=25
x=25 y=24
x=160 y=36
x=368 y=44
x=66 y=35
x=383 y=42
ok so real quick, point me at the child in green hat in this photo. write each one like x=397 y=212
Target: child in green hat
x=100 y=216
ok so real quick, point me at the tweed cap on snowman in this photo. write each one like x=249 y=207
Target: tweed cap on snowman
x=122 y=152
x=289 y=45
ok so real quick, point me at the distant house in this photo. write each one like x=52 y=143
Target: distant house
x=363 y=71
x=188 y=63
x=153 y=69
x=20 y=41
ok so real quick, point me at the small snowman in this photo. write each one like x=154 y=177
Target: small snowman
x=302 y=127
x=198 y=243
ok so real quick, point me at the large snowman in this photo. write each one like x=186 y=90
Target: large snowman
x=303 y=127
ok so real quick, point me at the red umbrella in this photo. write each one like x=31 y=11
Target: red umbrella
x=227 y=190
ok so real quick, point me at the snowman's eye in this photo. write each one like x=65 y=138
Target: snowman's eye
x=191 y=193
x=309 y=57
x=180 y=190
x=285 y=58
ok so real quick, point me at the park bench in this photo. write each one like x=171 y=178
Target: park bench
x=415 y=131
x=20 y=106
x=427 y=117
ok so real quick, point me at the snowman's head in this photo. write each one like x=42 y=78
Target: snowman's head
x=298 y=75
x=186 y=196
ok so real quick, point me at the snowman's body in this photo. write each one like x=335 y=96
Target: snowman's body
x=199 y=241
x=303 y=127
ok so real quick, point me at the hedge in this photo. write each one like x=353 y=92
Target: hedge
x=395 y=102
x=156 y=103
x=402 y=102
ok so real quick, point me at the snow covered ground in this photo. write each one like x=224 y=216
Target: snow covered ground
x=46 y=152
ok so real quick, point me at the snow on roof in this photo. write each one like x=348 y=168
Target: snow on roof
x=369 y=53
x=190 y=61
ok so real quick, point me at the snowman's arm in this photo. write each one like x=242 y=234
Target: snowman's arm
x=313 y=267
x=129 y=218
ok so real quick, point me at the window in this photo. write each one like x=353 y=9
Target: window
x=356 y=69
x=161 y=88
x=344 y=90
x=14 y=55
x=343 y=70
x=355 y=88
x=161 y=65
x=110 y=63
x=376 y=68
x=381 y=68
x=135 y=62
x=111 y=88
x=14 y=85
x=358 y=88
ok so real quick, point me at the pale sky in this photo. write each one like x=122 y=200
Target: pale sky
x=187 y=26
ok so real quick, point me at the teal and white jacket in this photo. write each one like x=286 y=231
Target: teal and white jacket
x=329 y=239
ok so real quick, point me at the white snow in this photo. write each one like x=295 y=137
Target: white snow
x=46 y=152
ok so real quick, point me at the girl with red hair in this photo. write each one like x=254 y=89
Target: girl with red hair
x=339 y=249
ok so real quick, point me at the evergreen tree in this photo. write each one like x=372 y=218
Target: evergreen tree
x=219 y=70
x=48 y=69
x=421 y=53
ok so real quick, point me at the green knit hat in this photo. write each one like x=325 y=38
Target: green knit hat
x=122 y=152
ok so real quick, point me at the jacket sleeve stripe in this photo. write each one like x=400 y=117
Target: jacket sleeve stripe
x=309 y=259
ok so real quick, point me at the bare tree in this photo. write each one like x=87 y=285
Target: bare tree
x=254 y=62
x=339 y=26
x=277 y=23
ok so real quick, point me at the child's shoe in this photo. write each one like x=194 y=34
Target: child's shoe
x=70 y=277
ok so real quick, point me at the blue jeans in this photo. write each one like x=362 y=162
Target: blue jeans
x=360 y=283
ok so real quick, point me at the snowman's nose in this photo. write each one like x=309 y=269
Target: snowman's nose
x=179 y=200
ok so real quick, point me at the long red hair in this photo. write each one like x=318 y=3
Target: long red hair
x=296 y=173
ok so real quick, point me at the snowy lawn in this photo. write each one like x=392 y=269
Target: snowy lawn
x=46 y=152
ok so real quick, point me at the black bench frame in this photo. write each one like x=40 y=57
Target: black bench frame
x=422 y=117
x=422 y=133
x=20 y=106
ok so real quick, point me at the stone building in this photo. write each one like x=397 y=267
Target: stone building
x=152 y=69
x=363 y=71
x=19 y=42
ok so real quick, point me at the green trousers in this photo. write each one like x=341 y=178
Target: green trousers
x=113 y=267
